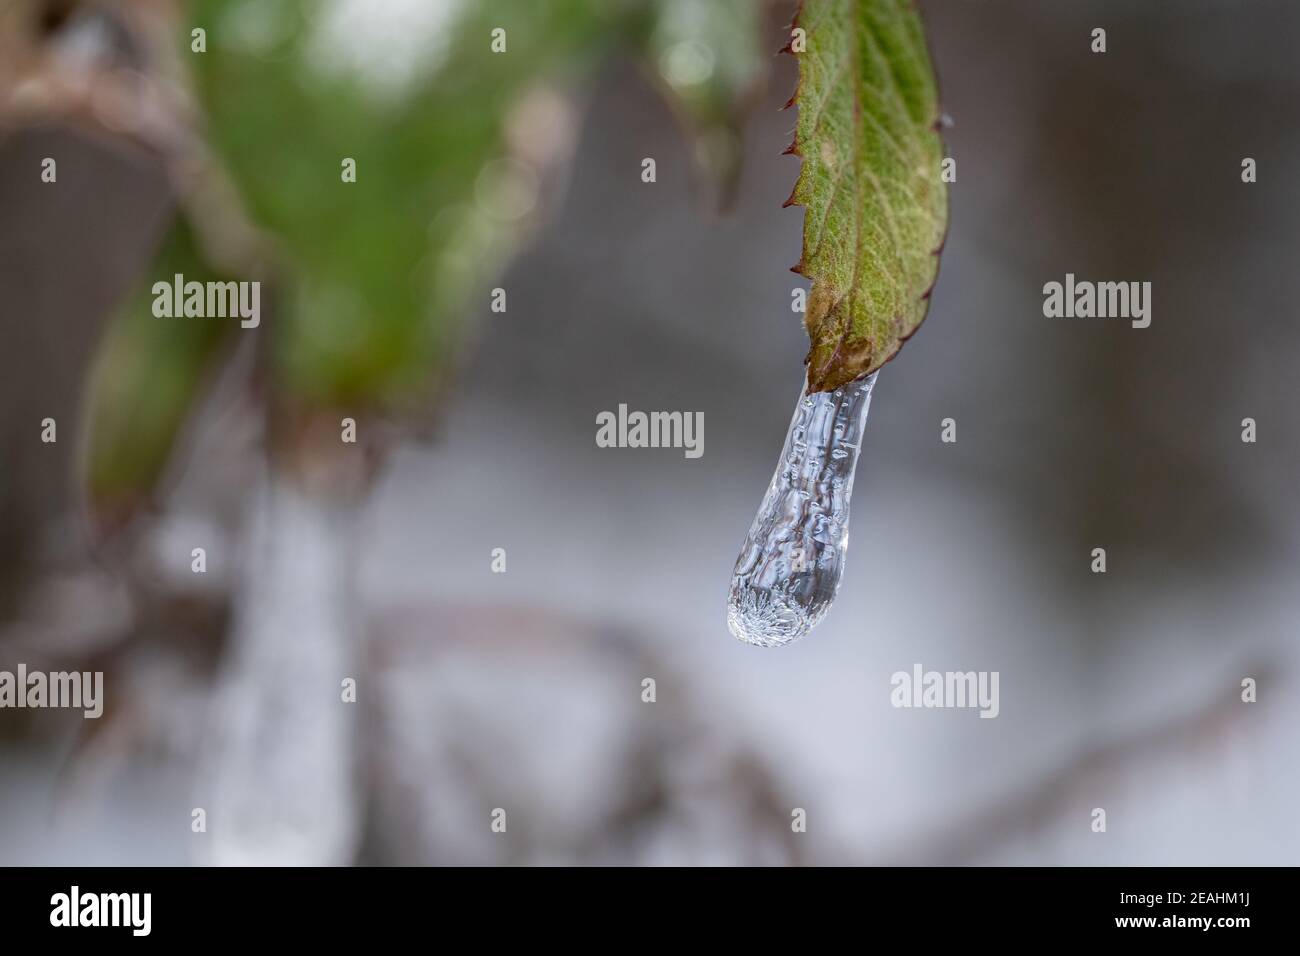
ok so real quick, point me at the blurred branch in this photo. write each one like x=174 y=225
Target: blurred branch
x=1096 y=771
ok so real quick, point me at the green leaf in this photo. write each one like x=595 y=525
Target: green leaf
x=384 y=273
x=149 y=375
x=876 y=208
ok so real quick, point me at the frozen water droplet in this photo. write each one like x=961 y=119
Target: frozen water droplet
x=790 y=566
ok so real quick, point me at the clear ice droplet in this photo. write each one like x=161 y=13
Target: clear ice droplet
x=790 y=566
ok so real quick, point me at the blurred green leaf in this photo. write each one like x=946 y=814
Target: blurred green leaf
x=149 y=375
x=708 y=55
x=381 y=269
x=877 y=210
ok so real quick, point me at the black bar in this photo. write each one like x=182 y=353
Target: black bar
x=337 y=906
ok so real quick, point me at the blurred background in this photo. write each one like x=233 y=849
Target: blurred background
x=522 y=691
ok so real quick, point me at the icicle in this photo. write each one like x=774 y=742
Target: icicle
x=790 y=566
